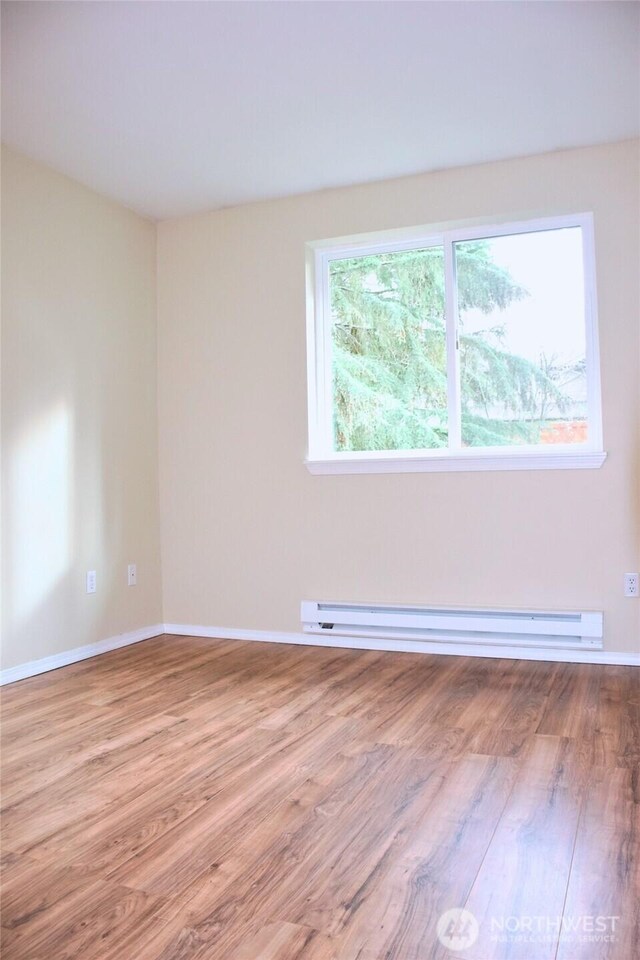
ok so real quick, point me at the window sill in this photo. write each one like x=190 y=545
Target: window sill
x=453 y=463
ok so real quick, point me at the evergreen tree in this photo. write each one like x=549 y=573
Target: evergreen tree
x=389 y=354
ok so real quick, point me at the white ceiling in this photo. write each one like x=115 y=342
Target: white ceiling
x=177 y=107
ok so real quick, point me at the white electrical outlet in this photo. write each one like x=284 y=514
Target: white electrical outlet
x=631 y=586
x=132 y=575
x=91 y=581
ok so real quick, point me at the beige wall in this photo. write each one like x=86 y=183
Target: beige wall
x=79 y=431
x=247 y=532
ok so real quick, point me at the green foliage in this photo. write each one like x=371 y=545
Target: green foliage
x=389 y=353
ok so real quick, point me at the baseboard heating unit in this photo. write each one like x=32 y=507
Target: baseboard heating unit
x=526 y=628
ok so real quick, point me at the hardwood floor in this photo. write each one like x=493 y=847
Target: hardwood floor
x=188 y=799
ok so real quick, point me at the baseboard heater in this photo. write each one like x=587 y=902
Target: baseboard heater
x=524 y=628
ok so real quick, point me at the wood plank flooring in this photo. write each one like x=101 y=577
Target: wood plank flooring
x=187 y=799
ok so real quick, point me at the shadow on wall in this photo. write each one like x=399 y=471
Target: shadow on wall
x=40 y=531
x=59 y=490
x=40 y=517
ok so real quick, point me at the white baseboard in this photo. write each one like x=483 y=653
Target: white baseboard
x=444 y=648
x=34 y=667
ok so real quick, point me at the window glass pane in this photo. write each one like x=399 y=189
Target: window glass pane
x=522 y=339
x=389 y=351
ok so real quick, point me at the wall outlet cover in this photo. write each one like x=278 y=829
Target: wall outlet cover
x=631 y=584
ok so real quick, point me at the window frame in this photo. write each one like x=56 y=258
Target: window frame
x=324 y=459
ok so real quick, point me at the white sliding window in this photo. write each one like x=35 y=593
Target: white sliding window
x=458 y=350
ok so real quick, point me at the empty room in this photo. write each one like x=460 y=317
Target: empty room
x=320 y=480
